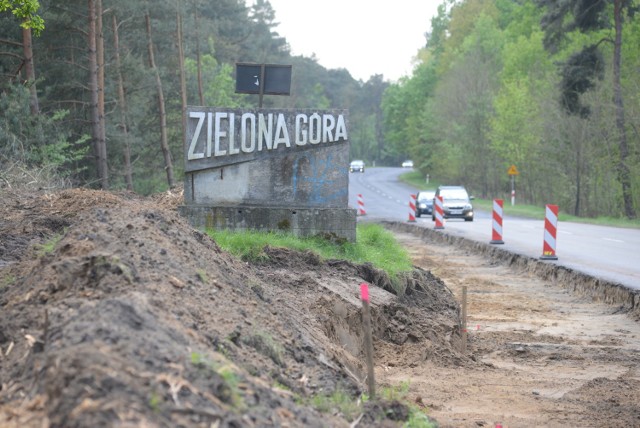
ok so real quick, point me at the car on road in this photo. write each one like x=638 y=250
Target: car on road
x=424 y=202
x=356 y=165
x=407 y=164
x=456 y=203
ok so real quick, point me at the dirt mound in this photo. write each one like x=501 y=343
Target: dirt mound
x=115 y=311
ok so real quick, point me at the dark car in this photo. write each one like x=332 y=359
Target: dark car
x=456 y=203
x=356 y=165
x=424 y=202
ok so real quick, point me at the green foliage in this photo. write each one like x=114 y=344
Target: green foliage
x=7 y=281
x=493 y=101
x=40 y=141
x=395 y=392
x=26 y=12
x=221 y=33
x=48 y=246
x=483 y=95
x=417 y=419
x=155 y=401
x=319 y=99
x=337 y=402
x=417 y=180
x=217 y=81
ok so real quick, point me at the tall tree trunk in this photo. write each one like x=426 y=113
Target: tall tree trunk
x=30 y=72
x=128 y=174
x=101 y=115
x=164 y=145
x=623 y=169
x=183 y=79
x=198 y=60
x=93 y=89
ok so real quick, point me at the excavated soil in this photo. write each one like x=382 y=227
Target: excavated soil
x=115 y=312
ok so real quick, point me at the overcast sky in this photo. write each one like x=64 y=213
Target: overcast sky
x=366 y=37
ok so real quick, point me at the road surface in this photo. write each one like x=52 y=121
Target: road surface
x=610 y=253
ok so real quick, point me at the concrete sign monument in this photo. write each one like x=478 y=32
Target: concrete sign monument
x=268 y=170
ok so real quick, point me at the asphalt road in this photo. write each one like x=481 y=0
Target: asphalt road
x=609 y=253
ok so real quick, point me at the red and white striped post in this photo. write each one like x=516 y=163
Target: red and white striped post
x=550 y=231
x=361 y=210
x=439 y=212
x=412 y=209
x=496 y=228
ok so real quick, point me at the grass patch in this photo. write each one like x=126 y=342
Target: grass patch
x=374 y=244
x=48 y=246
x=228 y=391
x=202 y=276
x=337 y=402
x=537 y=212
x=340 y=402
x=417 y=418
x=418 y=180
x=155 y=402
x=7 y=281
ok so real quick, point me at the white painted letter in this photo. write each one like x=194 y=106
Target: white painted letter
x=248 y=125
x=192 y=147
x=282 y=133
x=301 y=128
x=219 y=133
x=315 y=128
x=341 y=129
x=265 y=131
x=328 y=123
x=209 y=132
x=233 y=150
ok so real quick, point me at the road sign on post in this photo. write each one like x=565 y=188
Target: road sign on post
x=513 y=171
x=263 y=79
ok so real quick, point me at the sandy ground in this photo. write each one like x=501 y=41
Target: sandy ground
x=549 y=358
x=115 y=312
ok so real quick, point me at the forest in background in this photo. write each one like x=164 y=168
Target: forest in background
x=95 y=98
x=548 y=86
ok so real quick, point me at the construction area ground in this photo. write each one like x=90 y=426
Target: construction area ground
x=115 y=312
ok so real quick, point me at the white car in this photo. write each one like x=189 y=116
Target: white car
x=407 y=164
x=356 y=165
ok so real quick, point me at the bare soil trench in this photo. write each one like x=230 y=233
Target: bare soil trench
x=551 y=358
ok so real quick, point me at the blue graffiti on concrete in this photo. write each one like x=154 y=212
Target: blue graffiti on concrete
x=322 y=189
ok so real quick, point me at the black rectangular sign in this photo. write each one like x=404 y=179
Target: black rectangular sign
x=277 y=79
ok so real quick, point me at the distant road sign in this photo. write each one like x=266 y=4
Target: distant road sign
x=513 y=170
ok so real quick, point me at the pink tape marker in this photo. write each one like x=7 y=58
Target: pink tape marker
x=364 y=291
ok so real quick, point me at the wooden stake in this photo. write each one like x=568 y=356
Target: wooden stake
x=368 y=339
x=464 y=318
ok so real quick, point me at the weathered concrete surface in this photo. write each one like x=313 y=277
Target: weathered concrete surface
x=600 y=290
x=268 y=170
x=275 y=158
x=301 y=222
x=316 y=177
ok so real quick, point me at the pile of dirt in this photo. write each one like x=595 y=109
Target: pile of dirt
x=114 y=311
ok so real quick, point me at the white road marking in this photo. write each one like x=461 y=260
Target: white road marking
x=614 y=240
